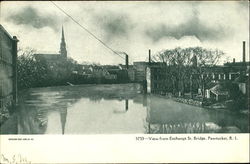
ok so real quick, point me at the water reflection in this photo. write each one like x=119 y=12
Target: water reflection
x=198 y=127
x=32 y=121
x=58 y=112
x=63 y=117
x=166 y=116
x=126 y=104
x=122 y=110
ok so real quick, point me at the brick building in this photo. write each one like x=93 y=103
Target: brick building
x=158 y=80
x=8 y=74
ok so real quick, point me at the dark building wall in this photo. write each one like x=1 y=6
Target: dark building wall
x=131 y=74
x=121 y=75
x=8 y=76
x=140 y=71
x=159 y=82
x=156 y=78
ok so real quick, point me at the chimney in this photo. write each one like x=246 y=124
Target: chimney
x=126 y=61
x=149 y=56
x=244 y=51
x=233 y=60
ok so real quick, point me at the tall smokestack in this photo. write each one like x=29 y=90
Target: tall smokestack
x=149 y=56
x=127 y=61
x=244 y=51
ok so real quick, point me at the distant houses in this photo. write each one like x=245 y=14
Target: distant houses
x=111 y=73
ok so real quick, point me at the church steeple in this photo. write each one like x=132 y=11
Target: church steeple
x=63 y=50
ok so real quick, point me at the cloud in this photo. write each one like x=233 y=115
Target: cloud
x=114 y=25
x=132 y=27
x=192 y=27
x=31 y=17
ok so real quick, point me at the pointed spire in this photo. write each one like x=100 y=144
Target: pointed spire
x=63 y=50
x=63 y=34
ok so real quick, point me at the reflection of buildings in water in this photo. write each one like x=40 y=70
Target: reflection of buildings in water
x=95 y=98
x=63 y=117
x=32 y=120
x=167 y=116
x=141 y=99
x=126 y=104
x=122 y=111
x=144 y=100
x=192 y=127
x=230 y=122
x=138 y=99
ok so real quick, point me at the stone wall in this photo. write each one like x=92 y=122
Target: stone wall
x=188 y=101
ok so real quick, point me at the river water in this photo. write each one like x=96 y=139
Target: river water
x=113 y=109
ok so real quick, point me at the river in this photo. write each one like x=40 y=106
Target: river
x=113 y=109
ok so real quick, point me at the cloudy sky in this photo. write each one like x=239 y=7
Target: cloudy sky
x=132 y=27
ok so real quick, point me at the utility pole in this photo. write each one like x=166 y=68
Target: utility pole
x=149 y=56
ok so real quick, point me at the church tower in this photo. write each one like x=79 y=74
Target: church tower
x=63 y=50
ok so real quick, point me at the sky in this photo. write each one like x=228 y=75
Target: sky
x=126 y=26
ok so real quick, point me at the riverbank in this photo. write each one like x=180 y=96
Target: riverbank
x=109 y=91
x=214 y=106
x=188 y=101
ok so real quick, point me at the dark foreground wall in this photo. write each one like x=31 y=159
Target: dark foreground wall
x=8 y=76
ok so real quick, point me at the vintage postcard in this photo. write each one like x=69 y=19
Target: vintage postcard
x=124 y=81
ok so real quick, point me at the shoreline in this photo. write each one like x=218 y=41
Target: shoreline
x=200 y=104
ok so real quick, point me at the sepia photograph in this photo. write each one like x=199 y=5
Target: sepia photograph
x=124 y=67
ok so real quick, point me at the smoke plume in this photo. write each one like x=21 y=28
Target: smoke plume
x=192 y=27
x=31 y=17
x=114 y=25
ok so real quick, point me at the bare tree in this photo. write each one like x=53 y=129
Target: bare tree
x=182 y=64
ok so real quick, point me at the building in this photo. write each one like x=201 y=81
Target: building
x=158 y=80
x=140 y=71
x=131 y=71
x=50 y=59
x=96 y=72
x=8 y=73
x=243 y=84
x=140 y=68
x=218 y=93
x=117 y=71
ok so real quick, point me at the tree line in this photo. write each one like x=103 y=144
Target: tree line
x=185 y=67
x=37 y=73
x=186 y=70
x=41 y=73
